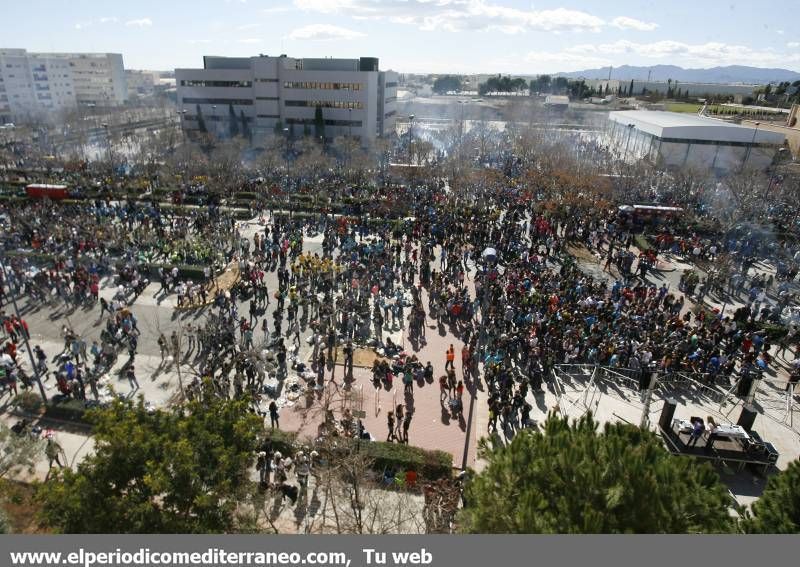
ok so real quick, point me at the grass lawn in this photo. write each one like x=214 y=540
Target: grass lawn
x=684 y=107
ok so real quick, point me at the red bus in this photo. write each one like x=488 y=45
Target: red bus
x=41 y=191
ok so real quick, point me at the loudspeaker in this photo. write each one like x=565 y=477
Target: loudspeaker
x=667 y=413
x=747 y=417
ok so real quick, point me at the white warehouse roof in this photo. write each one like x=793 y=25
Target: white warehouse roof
x=676 y=125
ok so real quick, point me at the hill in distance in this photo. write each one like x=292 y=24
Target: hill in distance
x=729 y=74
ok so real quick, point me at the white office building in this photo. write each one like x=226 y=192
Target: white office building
x=36 y=86
x=673 y=139
x=356 y=98
x=99 y=78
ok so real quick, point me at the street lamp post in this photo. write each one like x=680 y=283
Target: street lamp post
x=410 y=137
x=628 y=140
x=108 y=147
x=288 y=180
x=750 y=148
x=24 y=335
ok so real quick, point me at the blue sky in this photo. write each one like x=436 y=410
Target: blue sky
x=464 y=36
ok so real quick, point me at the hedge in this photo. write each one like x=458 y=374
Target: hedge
x=398 y=456
x=29 y=401
x=385 y=456
x=283 y=441
x=66 y=409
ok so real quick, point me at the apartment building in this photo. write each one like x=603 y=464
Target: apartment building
x=356 y=98
x=36 y=86
x=99 y=78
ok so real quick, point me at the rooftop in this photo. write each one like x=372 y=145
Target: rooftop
x=693 y=127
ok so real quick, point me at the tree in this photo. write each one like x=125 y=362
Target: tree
x=630 y=89
x=319 y=124
x=233 y=124
x=778 y=509
x=201 y=122
x=169 y=471
x=278 y=128
x=571 y=479
x=17 y=452
x=246 y=132
x=446 y=83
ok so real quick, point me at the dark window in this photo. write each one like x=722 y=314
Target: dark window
x=235 y=101
x=200 y=83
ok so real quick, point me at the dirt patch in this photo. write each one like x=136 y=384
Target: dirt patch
x=22 y=508
x=362 y=357
x=225 y=281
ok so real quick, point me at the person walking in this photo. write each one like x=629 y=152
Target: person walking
x=450 y=357
x=273 y=415
x=390 y=425
x=130 y=374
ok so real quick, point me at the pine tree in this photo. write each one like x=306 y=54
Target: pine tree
x=570 y=478
x=233 y=122
x=278 y=129
x=246 y=132
x=778 y=509
x=319 y=124
x=630 y=89
x=201 y=122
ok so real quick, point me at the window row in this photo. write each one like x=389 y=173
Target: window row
x=322 y=86
x=350 y=105
x=236 y=101
x=200 y=83
x=353 y=123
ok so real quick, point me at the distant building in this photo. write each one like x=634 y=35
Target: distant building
x=616 y=86
x=356 y=98
x=673 y=139
x=36 y=86
x=556 y=102
x=141 y=83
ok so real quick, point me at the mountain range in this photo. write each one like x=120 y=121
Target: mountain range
x=729 y=74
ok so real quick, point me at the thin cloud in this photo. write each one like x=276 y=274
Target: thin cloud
x=109 y=20
x=249 y=40
x=248 y=27
x=324 y=32
x=458 y=15
x=140 y=23
x=277 y=9
x=626 y=23
x=711 y=53
x=793 y=44
x=197 y=41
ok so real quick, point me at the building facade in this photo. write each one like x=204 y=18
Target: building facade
x=677 y=140
x=141 y=83
x=35 y=86
x=356 y=98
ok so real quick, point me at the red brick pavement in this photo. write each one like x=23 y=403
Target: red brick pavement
x=431 y=427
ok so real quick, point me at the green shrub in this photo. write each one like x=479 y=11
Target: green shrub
x=29 y=401
x=283 y=441
x=66 y=410
x=397 y=456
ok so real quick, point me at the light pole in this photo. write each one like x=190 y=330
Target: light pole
x=108 y=146
x=750 y=148
x=410 y=137
x=24 y=334
x=628 y=140
x=461 y=127
x=288 y=180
